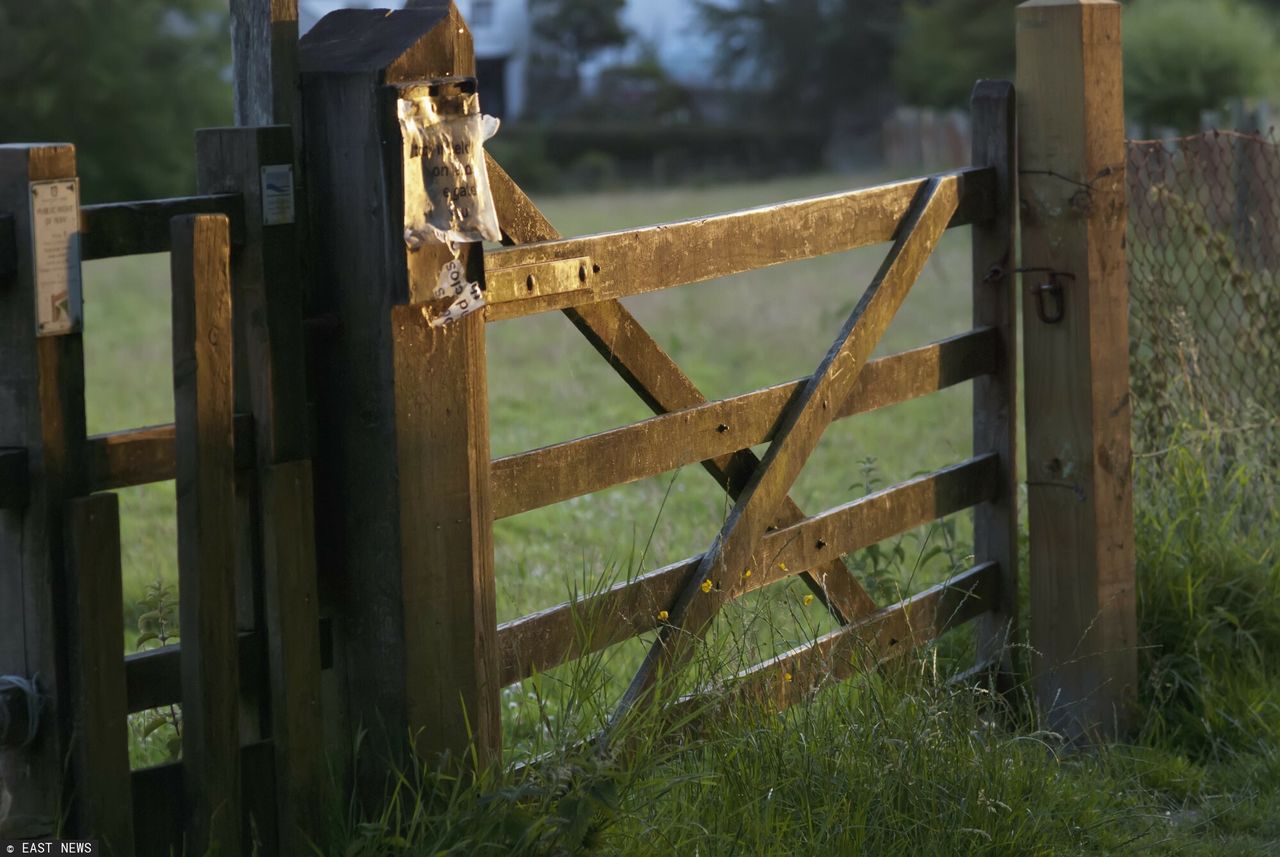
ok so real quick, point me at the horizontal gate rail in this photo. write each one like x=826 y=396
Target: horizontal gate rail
x=552 y=637
x=142 y=456
x=115 y=229
x=552 y=474
x=154 y=678
x=792 y=676
x=636 y=261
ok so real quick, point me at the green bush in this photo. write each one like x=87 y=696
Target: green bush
x=1186 y=56
x=948 y=45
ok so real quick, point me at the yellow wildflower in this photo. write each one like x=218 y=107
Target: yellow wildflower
x=706 y=585
x=786 y=676
x=746 y=574
x=808 y=599
x=662 y=615
x=782 y=565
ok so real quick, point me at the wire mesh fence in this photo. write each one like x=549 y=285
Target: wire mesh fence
x=1204 y=270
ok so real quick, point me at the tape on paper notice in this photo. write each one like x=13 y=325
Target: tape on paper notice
x=446 y=186
x=465 y=298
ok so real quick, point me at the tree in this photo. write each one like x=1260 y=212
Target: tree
x=128 y=83
x=947 y=45
x=810 y=59
x=1186 y=56
x=576 y=30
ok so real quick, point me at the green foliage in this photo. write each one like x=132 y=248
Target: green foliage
x=128 y=83
x=814 y=58
x=948 y=45
x=578 y=29
x=1186 y=56
x=155 y=736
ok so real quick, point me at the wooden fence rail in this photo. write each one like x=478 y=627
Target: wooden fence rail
x=337 y=497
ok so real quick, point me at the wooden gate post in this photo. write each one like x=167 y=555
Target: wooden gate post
x=402 y=456
x=41 y=412
x=1075 y=328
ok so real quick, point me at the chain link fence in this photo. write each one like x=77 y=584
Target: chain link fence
x=1204 y=272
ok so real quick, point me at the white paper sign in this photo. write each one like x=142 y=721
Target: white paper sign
x=277 y=194
x=55 y=238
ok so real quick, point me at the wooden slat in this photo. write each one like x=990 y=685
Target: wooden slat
x=636 y=261
x=41 y=411
x=1076 y=373
x=159 y=807
x=143 y=456
x=446 y=527
x=101 y=746
x=659 y=381
x=203 y=405
x=154 y=678
x=995 y=396
x=793 y=676
x=546 y=639
x=556 y=473
x=808 y=416
x=14 y=486
x=264 y=51
x=130 y=228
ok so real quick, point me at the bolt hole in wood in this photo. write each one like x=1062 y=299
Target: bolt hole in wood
x=530 y=282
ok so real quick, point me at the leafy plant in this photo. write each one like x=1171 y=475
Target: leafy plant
x=158 y=732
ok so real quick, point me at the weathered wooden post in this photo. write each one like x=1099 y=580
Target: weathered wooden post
x=402 y=458
x=41 y=413
x=1075 y=326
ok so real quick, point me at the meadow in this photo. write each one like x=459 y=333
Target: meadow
x=901 y=760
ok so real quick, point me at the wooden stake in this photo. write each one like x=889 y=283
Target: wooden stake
x=1079 y=459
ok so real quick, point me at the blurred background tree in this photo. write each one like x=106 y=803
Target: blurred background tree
x=127 y=82
x=1183 y=57
x=810 y=60
x=568 y=33
x=946 y=45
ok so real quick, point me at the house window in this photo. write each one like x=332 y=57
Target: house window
x=482 y=13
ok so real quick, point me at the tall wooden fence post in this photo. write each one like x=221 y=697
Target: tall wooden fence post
x=1075 y=327
x=203 y=409
x=41 y=412
x=995 y=396
x=402 y=455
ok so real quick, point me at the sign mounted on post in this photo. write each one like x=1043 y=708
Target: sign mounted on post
x=277 y=194
x=55 y=256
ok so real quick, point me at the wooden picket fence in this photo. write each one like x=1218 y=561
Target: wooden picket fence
x=336 y=495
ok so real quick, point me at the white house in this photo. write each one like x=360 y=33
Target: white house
x=502 y=36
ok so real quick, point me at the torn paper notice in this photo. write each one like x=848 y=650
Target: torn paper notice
x=466 y=297
x=446 y=185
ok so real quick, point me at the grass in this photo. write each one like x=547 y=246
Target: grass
x=898 y=761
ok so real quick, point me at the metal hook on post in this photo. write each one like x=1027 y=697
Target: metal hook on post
x=1051 y=303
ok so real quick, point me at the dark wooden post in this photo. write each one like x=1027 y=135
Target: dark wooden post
x=413 y=604
x=995 y=396
x=264 y=49
x=203 y=410
x=1079 y=460
x=267 y=298
x=41 y=412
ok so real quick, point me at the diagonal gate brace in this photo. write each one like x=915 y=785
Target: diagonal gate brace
x=616 y=334
x=806 y=420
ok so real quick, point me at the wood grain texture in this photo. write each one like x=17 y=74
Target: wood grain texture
x=115 y=229
x=158 y=802
x=293 y=646
x=807 y=418
x=660 y=383
x=143 y=456
x=359 y=271
x=100 y=750
x=546 y=639
x=552 y=474
x=264 y=55
x=206 y=488
x=995 y=396
x=153 y=678
x=796 y=675
x=15 y=485
x=450 y=600
x=636 y=261
x=1079 y=458
x=41 y=411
